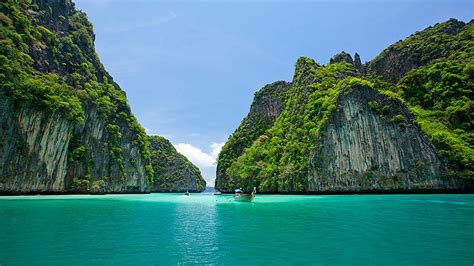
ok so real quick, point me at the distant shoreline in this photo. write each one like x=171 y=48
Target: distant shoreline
x=397 y=192
x=374 y=192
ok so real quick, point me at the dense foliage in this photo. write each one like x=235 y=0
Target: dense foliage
x=438 y=88
x=254 y=125
x=172 y=169
x=448 y=40
x=441 y=97
x=431 y=72
x=48 y=61
x=278 y=159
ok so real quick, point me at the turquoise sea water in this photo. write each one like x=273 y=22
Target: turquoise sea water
x=170 y=229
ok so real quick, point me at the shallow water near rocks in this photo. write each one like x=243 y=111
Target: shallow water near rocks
x=274 y=229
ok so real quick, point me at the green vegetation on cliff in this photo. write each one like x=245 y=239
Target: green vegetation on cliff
x=48 y=65
x=173 y=171
x=267 y=105
x=434 y=69
x=48 y=60
x=450 y=40
x=277 y=159
x=431 y=72
x=441 y=98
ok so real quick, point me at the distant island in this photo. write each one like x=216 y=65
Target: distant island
x=401 y=123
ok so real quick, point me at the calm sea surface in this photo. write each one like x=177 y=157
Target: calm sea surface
x=170 y=229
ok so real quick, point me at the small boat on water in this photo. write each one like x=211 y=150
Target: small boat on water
x=217 y=192
x=186 y=193
x=241 y=196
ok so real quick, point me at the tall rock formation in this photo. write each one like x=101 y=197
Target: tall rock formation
x=401 y=123
x=363 y=148
x=65 y=125
x=173 y=171
x=267 y=105
x=358 y=64
x=422 y=48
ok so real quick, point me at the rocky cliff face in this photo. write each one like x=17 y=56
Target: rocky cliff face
x=33 y=151
x=267 y=105
x=173 y=171
x=111 y=160
x=421 y=48
x=38 y=156
x=363 y=149
x=342 y=57
x=345 y=57
x=400 y=123
x=66 y=127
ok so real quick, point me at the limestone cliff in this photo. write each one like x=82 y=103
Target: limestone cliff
x=400 y=123
x=34 y=149
x=267 y=105
x=422 y=48
x=40 y=154
x=363 y=149
x=173 y=171
x=65 y=125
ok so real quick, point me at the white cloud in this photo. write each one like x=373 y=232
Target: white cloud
x=205 y=161
x=216 y=148
x=195 y=155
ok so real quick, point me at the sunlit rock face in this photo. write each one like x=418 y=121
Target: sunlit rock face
x=65 y=125
x=267 y=105
x=35 y=156
x=400 y=123
x=367 y=148
x=126 y=175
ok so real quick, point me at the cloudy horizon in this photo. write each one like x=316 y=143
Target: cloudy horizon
x=206 y=161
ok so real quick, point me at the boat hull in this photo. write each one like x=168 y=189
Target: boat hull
x=244 y=197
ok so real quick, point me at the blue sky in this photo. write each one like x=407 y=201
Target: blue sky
x=190 y=68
